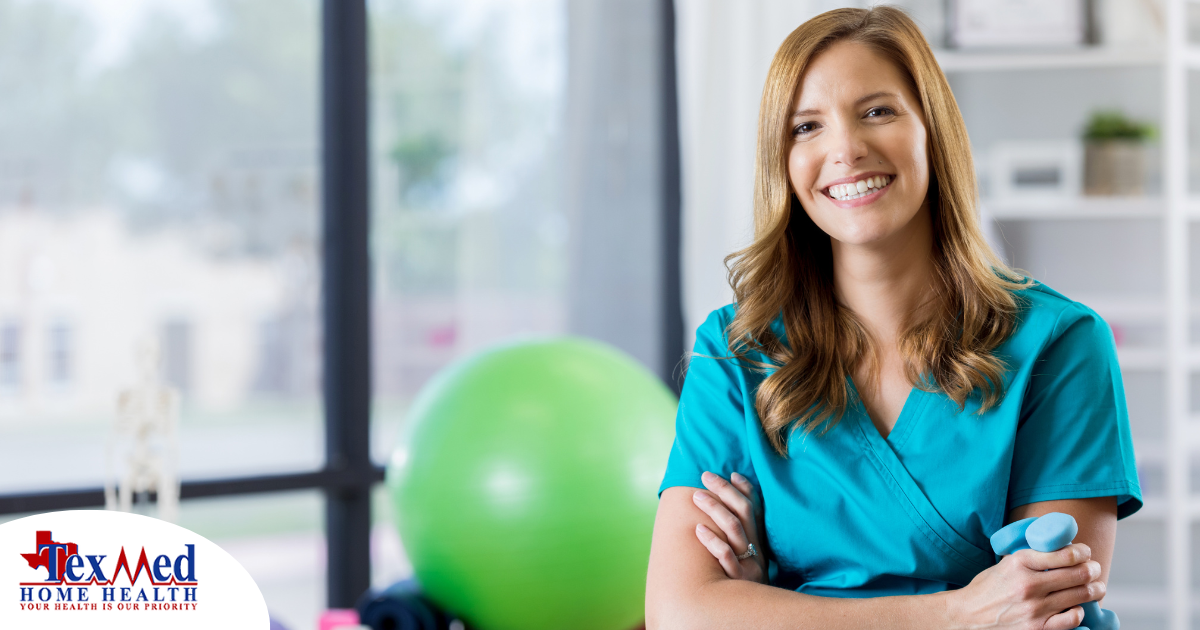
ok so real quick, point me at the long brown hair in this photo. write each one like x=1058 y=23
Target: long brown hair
x=787 y=272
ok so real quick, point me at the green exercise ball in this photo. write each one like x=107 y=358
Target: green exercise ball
x=527 y=482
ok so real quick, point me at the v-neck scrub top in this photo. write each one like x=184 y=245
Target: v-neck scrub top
x=851 y=514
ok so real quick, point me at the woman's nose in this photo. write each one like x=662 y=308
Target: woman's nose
x=848 y=146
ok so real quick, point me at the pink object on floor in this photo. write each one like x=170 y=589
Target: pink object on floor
x=336 y=618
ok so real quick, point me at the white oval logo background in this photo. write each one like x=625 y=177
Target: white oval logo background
x=202 y=587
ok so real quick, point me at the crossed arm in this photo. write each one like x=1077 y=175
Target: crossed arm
x=688 y=586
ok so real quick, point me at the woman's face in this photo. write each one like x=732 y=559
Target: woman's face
x=858 y=161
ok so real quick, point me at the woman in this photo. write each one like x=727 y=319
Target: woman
x=886 y=389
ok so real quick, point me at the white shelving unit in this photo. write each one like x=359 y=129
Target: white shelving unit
x=1100 y=57
x=1180 y=507
x=1079 y=208
x=1177 y=359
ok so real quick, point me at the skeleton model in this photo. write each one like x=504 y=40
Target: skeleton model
x=143 y=444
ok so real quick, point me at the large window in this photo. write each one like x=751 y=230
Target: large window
x=159 y=197
x=159 y=193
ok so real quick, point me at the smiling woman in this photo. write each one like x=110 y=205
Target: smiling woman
x=868 y=413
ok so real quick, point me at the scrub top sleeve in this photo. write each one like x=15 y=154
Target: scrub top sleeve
x=1073 y=439
x=710 y=424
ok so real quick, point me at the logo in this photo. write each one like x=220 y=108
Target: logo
x=99 y=569
x=73 y=579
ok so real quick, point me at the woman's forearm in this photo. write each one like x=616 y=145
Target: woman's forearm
x=725 y=603
x=686 y=588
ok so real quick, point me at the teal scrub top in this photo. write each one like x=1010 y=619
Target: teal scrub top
x=851 y=514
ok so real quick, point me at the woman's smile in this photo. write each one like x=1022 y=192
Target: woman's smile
x=859 y=190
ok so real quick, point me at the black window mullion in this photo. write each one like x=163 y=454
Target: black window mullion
x=345 y=295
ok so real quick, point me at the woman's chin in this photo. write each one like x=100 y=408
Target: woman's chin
x=875 y=228
x=865 y=235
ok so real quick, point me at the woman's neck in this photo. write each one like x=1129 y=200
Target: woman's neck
x=885 y=283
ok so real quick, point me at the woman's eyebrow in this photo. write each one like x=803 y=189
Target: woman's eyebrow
x=870 y=97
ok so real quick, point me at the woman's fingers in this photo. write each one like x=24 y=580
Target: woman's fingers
x=728 y=503
x=747 y=489
x=730 y=524
x=1067 y=577
x=742 y=484
x=1065 y=620
x=721 y=551
x=733 y=498
x=1022 y=591
x=1068 y=556
x=1074 y=596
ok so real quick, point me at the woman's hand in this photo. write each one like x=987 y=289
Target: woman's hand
x=1030 y=589
x=732 y=508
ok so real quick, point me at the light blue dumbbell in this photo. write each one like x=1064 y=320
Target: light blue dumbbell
x=1051 y=532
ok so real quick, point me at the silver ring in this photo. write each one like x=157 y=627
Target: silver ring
x=750 y=552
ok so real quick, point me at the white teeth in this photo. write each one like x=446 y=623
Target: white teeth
x=846 y=192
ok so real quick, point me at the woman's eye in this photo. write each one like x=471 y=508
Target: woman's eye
x=876 y=112
x=804 y=128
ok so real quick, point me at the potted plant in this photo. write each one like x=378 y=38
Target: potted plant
x=1114 y=157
